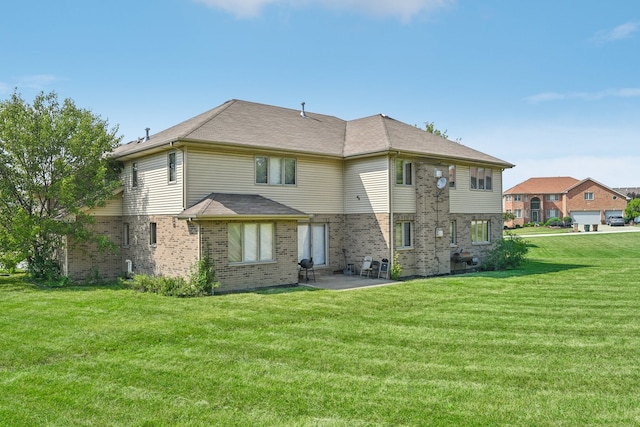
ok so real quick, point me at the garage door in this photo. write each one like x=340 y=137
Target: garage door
x=607 y=214
x=585 y=217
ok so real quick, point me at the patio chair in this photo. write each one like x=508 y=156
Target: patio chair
x=365 y=270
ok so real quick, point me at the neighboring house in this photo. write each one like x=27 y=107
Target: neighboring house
x=259 y=188
x=536 y=200
x=630 y=192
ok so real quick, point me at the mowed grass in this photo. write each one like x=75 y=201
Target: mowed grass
x=556 y=343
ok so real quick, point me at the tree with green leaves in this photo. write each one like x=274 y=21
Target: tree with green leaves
x=431 y=128
x=53 y=168
x=632 y=211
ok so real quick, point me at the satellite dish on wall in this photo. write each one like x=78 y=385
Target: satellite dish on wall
x=442 y=182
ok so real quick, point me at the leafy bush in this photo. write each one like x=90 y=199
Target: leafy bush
x=508 y=253
x=201 y=282
x=396 y=267
x=567 y=221
x=553 y=222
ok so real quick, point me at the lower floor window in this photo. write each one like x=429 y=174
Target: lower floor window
x=480 y=231
x=312 y=243
x=453 y=230
x=153 y=233
x=403 y=234
x=553 y=213
x=251 y=242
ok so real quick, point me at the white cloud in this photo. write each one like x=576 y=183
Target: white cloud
x=404 y=9
x=37 y=81
x=584 y=96
x=620 y=32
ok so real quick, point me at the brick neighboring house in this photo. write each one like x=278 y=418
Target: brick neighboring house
x=538 y=199
x=260 y=187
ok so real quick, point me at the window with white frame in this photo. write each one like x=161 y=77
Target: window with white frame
x=403 y=234
x=480 y=231
x=507 y=198
x=134 y=174
x=125 y=234
x=553 y=197
x=251 y=242
x=518 y=213
x=153 y=233
x=312 y=242
x=553 y=213
x=517 y=197
x=172 y=168
x=273 y=170
x=588 y=195
x=404 y=172
x=480 y=178
x=452 y=176
x=453 y=233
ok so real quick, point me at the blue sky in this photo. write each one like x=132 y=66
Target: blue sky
x=551 y=86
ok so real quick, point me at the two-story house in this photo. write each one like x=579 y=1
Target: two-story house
x=259 y=188
x=536 y=200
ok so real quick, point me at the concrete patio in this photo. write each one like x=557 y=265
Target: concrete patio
x=342 y=282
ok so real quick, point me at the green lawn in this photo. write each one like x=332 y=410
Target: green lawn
x=538 y=230
x=556 y=343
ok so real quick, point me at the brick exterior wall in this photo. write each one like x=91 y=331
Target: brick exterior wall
x=84 y=262
x=463 y=235
x=174 y=253
x=432 y=253
x=283 y=271
x=367 y=235
x=603 y=199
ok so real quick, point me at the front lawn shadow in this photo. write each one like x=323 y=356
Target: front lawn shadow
x=531 y=268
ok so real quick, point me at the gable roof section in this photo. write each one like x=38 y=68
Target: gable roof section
x=259 y=126
x=544 y=185
x=624 y=196
x=239 y=206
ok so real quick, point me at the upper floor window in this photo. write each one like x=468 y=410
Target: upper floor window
x=517 y=197
x=134 y=174
x=251 y=242
x=275 y=170
x=481 y=178
x=480 y=231
x=403 y=232
x=171 y=160
x=507 y=198
x=588 y=195
x=553 y=197
x=452 y=176
x=404 y=172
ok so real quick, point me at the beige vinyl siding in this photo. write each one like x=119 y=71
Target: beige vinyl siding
x=464 y=200
x=404 y=196
x=318 y=186
x=367 y=186
x=154 y=195
x=112 y=208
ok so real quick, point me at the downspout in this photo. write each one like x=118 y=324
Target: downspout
x=392 y=239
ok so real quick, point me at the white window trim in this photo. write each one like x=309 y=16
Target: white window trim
x=175 y=166
x=404 y=246
x=260 y=260
x=407 y=179
x=283 y=170
x=488 y=228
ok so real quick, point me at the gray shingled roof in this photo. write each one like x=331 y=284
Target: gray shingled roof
x=217 y=205
x=251 y=125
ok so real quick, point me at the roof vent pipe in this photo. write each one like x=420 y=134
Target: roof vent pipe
x=302 y=113
x=146 y=138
